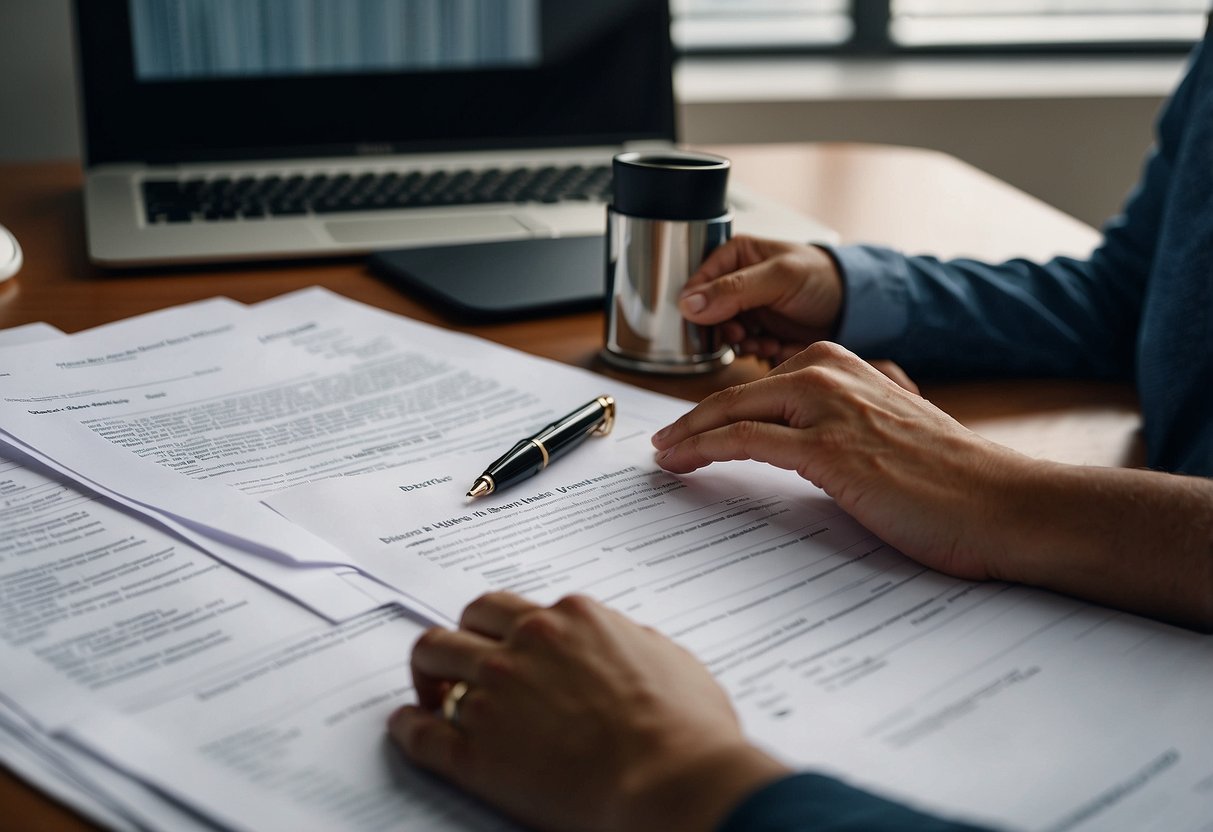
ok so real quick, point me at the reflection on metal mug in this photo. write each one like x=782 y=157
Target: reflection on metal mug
x=669 y=211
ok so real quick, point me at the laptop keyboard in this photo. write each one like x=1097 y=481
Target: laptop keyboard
x=258 y=197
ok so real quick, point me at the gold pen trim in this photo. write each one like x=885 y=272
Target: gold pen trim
x=484 y=485
x=543 y=451
x=608 y=416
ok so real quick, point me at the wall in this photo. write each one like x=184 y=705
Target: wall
x=38 y=117
x=1082 y=155
x=1079 y=153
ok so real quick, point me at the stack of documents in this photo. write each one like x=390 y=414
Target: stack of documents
x=224 y=526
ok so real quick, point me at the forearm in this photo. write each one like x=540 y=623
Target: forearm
x=697 y=795
x=1137 y=540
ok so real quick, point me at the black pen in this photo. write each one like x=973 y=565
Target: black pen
x=532 y=455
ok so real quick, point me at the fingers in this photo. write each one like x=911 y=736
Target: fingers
x=441 y=656
x=764 y=284
x=787 y=291
x=732 y=255
x=754 y=341
x=494 y=614
x=765 y=420
x=760 y=441
x=770 y=399
x=430 y=741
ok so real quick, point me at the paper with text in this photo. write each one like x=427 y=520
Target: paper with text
x=298 y=389
x=70 y=363
x=840 y=653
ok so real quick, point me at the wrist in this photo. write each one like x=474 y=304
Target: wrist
x=695 y=793
x=989 y=494
x=836 y=303
x=1022 y=514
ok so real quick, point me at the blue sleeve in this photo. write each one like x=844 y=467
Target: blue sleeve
x=1067 y=317
x=822 y=804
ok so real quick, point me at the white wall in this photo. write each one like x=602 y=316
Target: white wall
x=1080 y=152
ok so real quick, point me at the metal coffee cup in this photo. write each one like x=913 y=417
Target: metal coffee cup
x=669 y=211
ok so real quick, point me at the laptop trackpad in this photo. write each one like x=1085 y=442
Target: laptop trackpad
x=426 y=229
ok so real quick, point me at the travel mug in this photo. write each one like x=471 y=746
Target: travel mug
x=669 y=210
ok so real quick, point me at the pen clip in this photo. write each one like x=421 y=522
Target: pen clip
x=608 y=416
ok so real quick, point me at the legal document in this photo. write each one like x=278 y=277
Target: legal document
x=102 y=614
x=152 y=465
x=137 y=345
x=1004 y=704
x=197 y=427
x=37 y=518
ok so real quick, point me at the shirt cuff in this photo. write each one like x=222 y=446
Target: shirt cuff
x=814 y=801
x=875 y=309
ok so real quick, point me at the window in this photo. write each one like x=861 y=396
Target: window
x=879 y=26
x=743 y=25
x=1032 y=22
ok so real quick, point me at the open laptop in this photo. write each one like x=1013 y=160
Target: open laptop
x=270 y=129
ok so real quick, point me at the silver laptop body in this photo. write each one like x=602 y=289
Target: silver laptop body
x=277 y=129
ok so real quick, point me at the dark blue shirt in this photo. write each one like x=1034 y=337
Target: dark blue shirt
x=1139 y=308
x=814 y=803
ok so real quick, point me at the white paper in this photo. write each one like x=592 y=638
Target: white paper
x=139 y=352
x=993 y=702
x=97 y=604
x=102 y=613
x=92 y=788
x=294 y=739
x=998 y=703
x=73 y=778
x=29 y=334
x=303 y=388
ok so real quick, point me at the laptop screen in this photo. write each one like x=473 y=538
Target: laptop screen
x=197 y=80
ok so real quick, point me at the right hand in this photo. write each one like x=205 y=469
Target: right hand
x=771 y=299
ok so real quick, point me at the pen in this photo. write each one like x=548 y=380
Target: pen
x=532 y=455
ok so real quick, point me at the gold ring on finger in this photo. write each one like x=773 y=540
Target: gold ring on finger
x=452 y=701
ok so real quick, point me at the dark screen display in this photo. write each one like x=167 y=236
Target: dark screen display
x=595 y=72
x=181 y=40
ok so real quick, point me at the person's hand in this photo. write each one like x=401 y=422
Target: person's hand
x=771 y=299
x=577 y=718
x=902 y=467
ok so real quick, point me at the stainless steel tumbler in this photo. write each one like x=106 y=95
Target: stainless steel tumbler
x=669 y=211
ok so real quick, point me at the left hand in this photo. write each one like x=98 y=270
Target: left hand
x=578 y=718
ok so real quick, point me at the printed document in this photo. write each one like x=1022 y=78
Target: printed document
x=128 y=348
x=199 y=427
x=37 y=518
x=312 y=432
x=839 y=653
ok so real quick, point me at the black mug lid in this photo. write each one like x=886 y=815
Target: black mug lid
x=670 y=184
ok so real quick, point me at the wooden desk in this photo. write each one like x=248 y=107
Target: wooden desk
x=912 y=199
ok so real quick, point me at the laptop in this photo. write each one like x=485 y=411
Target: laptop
x=271 y=129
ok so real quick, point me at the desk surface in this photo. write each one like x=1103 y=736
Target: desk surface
x=913 y=199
